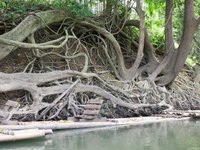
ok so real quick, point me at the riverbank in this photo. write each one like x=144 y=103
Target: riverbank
x=69 y=125
x=175 y=135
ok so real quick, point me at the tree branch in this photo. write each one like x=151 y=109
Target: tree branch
x=115 y=44
x=140 y=53
x=148 y=47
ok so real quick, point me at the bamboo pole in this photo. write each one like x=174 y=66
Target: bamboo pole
x=22 y=136
x=69 y=125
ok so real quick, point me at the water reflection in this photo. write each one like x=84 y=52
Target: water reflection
x=178 y=135
x=35 y=144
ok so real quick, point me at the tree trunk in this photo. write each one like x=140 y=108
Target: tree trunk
x=175 y=58
x=108 y=9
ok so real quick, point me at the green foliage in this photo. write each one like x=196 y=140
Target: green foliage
x=191 y=61
x=194 y=56
x=13 y=9
x=2 y=4
x=151 y=6
x=154 y=14
x=155 y=20
x=78 y=9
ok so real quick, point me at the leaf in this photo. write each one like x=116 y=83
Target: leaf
x=151 y=8
x=2 y=4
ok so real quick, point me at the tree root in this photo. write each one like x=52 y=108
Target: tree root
x=28 y=26
x=32 y=81
x=56 y=92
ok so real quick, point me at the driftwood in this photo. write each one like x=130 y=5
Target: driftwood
x=182 y=113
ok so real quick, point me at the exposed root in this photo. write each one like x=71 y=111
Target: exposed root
x=30 y=25
x=83 y=61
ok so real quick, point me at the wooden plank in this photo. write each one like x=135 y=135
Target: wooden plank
x=22 y=136
x=85 y=117
x=95 y=101
x=12 y=104
x=9 y=122
x=24 y=112
x=7 y=108
x=3 y=114
x=91 y=107
x=91 y=112
x=89 y=117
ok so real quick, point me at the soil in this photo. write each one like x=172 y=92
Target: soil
x=15 y=62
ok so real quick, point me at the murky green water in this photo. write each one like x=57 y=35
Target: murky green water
x=178 y=135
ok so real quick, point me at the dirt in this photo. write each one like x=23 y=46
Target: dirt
x=15 y=62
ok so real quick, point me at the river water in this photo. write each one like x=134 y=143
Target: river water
x=176 y=135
